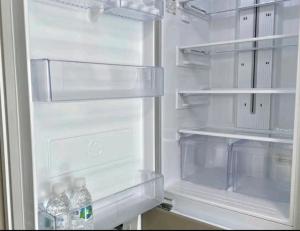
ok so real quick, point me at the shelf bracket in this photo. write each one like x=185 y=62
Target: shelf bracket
x=255 y=67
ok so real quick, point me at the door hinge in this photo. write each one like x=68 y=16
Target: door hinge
x=167 y=204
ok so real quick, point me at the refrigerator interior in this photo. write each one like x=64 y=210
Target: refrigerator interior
x=93 y=85
x=230 y=81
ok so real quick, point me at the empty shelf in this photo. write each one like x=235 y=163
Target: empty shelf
x=276 y=211
x=274 y=137
x=66 y=81
x=259 y=43
x=195 y=7
x=133 y=9
x=239 y=91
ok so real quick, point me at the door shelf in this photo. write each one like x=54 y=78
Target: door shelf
x=241 y=45
x=241 y=134
x=132 y=9
x=238 y=91
x=128 y=204
x=196 y=7
x=147 y=192
x=72 y=81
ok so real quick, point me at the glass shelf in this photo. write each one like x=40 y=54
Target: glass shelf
x=242 y=134
x=146 y=192
x=143 y=10
x=197 y=7
x=238 y=91
x=72 y=81
x=242 y=45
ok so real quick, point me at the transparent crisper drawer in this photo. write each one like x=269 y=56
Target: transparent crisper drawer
x=262 y=170
x=142 y=10
x=146 y=192
x=205 y=161
x=66 y=81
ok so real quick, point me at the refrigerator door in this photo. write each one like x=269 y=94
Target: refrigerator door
x=16 y=142
x=80 y=91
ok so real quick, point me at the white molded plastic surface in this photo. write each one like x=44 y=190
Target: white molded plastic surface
x=143 y=10
x=67 y=81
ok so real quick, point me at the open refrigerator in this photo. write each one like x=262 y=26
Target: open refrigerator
x=188 y=104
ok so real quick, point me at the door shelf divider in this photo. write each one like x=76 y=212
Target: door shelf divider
x=241 y=45
x=193 y=7
x=241 y=134
x=55 y=80
x=136 y=10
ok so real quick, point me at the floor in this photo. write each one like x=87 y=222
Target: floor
x=159 y=219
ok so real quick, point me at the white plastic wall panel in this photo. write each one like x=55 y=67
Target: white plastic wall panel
x=222 y=67
x=254 y=110
x=245 y=62
x=179 y=29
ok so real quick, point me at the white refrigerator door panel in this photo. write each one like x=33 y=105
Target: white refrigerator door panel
x=109 y=142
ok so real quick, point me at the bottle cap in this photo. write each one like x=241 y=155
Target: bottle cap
x=79 y=182
x=58 y=188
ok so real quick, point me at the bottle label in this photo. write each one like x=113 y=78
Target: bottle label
x=83 y=213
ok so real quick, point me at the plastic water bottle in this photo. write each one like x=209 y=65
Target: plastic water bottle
x=81 y=206
x=59 y=207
